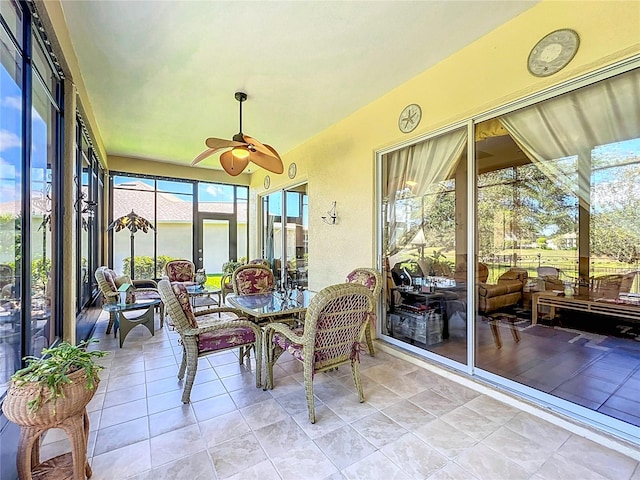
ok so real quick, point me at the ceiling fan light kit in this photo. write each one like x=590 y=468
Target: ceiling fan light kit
x=244 y=149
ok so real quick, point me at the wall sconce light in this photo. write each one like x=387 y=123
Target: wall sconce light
x=331 y=217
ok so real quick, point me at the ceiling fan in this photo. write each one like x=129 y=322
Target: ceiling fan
x=244 y=149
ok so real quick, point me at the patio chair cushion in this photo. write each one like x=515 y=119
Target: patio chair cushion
x=293 y=348
x=222 y=339
x=364 y=278
x=110 y=277
x=182 y=295
x=249 y=279
x=180 y=271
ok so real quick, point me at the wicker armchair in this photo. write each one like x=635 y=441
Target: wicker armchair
x=249 y=279
x=109 y=282
x=206 y=332
x=181 y=271
x=225 y=282
x=334 y=325
x=371 y=279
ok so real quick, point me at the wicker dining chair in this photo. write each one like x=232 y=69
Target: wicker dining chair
x=209 y=331
x=330 y=336
x=254 y=278
x=371 y=279
x=109 y=282
x=226 y=286
x=181 y=271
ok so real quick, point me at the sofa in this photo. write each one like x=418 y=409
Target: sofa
x=506 y=292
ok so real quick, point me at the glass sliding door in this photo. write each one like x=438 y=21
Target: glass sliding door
x=285 y=231
x=425 y=245
x=558 y=235
x=296 y=233
x=272 y=232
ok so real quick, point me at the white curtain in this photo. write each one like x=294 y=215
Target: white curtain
x=555 y=133
x=414 y=171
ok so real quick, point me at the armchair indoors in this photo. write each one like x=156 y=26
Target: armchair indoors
x=611 y=286
x=109 y=282
x=507 y=292
x=334 y=324
x=181 y=271
x=249 y=279
x=210 y=331
x=371 y=279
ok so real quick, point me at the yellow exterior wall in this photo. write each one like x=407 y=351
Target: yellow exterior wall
x=340 y=162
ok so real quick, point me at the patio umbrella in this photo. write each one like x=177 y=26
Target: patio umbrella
x=133 y=222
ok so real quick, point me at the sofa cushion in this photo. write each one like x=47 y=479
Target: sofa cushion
x=510 y=275
x=502 y=288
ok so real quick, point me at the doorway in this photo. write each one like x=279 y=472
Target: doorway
x=216 y=241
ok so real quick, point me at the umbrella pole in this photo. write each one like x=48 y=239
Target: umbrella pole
x=131 y=263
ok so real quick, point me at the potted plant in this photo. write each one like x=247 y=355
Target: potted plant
x=54 y=387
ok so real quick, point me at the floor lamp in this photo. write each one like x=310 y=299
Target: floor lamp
x=133 y=222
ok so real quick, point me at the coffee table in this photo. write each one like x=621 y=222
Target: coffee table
x=583 y=303
x=126 y=324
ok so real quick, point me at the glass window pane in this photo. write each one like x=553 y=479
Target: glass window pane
x=85 y=273
x=175 y=187
x=13 y=16
x=43 y=67
x=215 y=198
x=11 y=175
x=175 y=225
x=272 y=231
x=42 y=223
x=242 y=219
x=297 y=235
x=134 y=196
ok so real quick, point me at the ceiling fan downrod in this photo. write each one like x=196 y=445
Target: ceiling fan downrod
x=240 y=97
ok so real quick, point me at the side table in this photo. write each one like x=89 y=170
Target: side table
x=71 y=466
x=126 y=324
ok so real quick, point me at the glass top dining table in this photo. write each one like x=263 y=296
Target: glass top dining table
x=266 y=306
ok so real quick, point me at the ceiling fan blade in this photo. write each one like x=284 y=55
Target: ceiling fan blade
x=203 y=155
x=273 y=150
x=232 y=165
x=268 y=162
x=219 y=143
x=259 y=146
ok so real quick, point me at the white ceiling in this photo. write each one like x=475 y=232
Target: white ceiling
x=161 y=75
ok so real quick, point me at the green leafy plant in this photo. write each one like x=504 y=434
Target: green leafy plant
x=231 y=265
x=52 y=370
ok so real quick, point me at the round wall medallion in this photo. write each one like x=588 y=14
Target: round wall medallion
x=553 y=52
x=293 y=169
x=267 y=182
x=409 y=118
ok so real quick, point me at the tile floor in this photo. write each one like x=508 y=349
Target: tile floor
x=415 y=424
